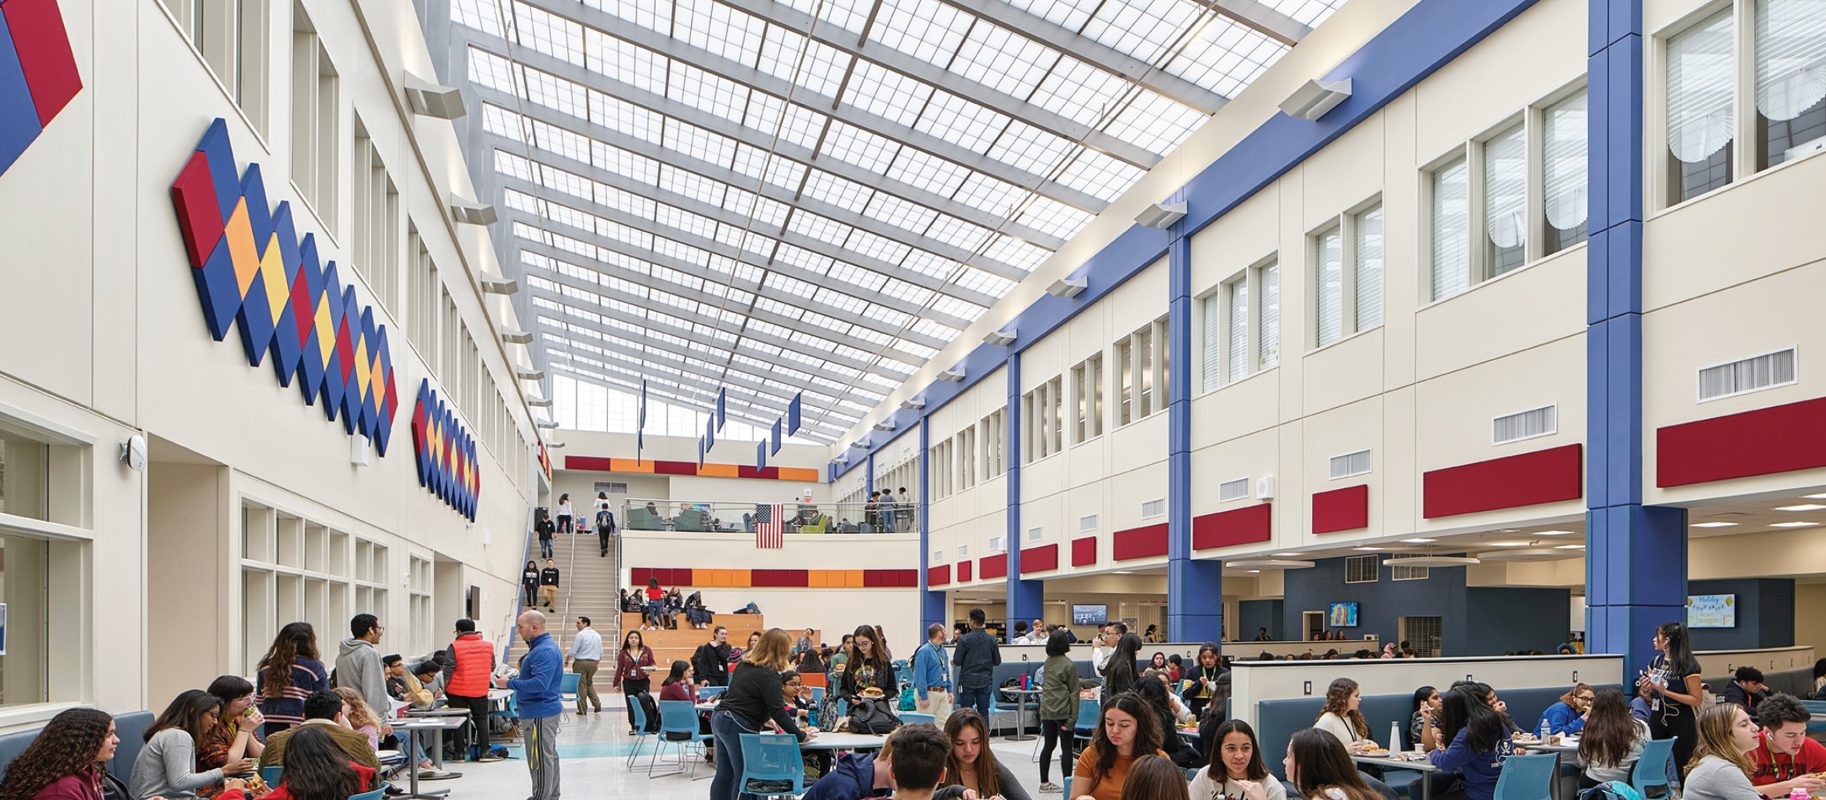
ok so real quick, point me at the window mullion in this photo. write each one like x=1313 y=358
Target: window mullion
x=1478 y=266
x=1534 y=183
x=1745 y=156
x=1347 y=275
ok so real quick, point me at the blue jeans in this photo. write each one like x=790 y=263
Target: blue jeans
x=545 y=547
x=727 y=731
x=977 y=698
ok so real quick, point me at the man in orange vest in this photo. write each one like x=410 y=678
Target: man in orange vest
x=472 y=663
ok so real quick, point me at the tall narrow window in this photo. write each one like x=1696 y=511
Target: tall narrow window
x=1056 y=394
x=1790 y=79
x=1505 y=201
x=1451 y=230
x=1094 y=379
x=1125 y=383
x=1366 y=268
x=1236 y=329
x=1563 y=167
x=231 y=35
x=1699 y=118
x=1328 y=292
x=1268 y=329
x=1144 y=352
x=1081 y=401
x=1208 y=307
x=314 y=108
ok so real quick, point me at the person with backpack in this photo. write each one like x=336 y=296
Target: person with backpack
x=1060 y=689
x=605 y=524
x=631 y=664
x=754 y=698
x=543 y=526
x=711 y=660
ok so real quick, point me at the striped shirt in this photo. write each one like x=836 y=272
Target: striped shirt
x=308 y=675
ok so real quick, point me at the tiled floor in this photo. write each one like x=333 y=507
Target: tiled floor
x=593 y=753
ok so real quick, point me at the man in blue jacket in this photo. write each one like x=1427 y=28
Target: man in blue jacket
x=932 y=676
x=536 y=689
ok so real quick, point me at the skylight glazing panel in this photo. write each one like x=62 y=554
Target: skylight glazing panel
x=674 y=276
x=1226 y=57
x=798 y=357
x=563 y=141
x=905 y=295
x=865 y=279
x=849 y=15
x=1099 y=175
x=626 y=201
x=929 y=265
x=819 y=228
x=1306 y=12
x=1030 y=148
x=842 y=373
x=837 y=191
x=990 y=194
x=771 y=213
x=899 y=213
x=879 y=383
x=978 y=280
x=893 y=318
x=1068 y=14
x=962 y=123
x=1155 y=122
x=1010 y=250
x=801 y=126
x=717 y=28
x=548 y=34
x=886 y=94
x=491 y=71
x=804 y=259
x=1001 y=59
x=554 y=93
x=711 y=94
x=936 y=175
x=826 y=323
x=775 y=307
x=936 y=330
x=792 y=286
x=478 y=14
x=500 y=121
x=762 y=326
x=1051 y=216
x=652 y=16
x=1141 y=28
x=674 y=217
x=871 y=336
x=1081 y=92
x=621 y=162
x=953 y=307
x=859 y=147
x=690 y=184
x=924 y=29
x=878 y=247
x=840 y=300
x=513 y=166
x=698 y=143
x=955 y=232
x=620 y=115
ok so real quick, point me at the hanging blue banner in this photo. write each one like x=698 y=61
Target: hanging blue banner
x=776 y=439
x=793 y=413
x=722 y=408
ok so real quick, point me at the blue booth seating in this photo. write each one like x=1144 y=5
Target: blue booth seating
x=1796 y=682
x=1278 y=720
x=131 y=728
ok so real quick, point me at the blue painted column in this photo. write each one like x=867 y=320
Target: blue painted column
x=1195 y=588
x=1024 y=599
x=932 y=608
x=868 y=474
x=1636 y=555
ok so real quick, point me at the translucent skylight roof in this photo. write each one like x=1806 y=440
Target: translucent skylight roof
x=818 y=194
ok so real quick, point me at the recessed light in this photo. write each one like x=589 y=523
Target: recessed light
x=1367 y=549
x=1569 y=547
x=1794 y=524
x=1124 y=572
x=1511 y=544
x=1815 y=496
x=1509 y=530
x=1553 y=533
x=1713 y=525
x=1254 y=571
x=1419 y=541
x=1285 y=555
x=1801 y=507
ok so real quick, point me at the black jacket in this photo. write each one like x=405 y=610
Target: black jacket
x=711 y=663
x=548 y=576
x=976 y=657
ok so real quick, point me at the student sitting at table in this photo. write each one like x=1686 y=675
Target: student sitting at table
x=677 y=685
x=1785 y=758
x=166 y=766
x=1235 y=768
x=1476 y=742
x=1128 y=730
x=1155 y=778
x=1343 y=717
x=1319 y=768
x=358 y=716
x=855 y=776
x=920 y=767
x=316 y=768
x=1159 y=700
x=971 y=764
x=1611 y=741
x=67 y=761
x=1720 y=768
x=323 y=710
x=1568 y=715
x=1747 y=689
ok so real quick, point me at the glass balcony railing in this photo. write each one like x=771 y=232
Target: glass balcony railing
x=835 y=518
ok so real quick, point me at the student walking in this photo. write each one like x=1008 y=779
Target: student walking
x=548 y=586
x=586 y=656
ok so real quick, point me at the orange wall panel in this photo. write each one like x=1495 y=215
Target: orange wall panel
x=719 y=471
x=800 y=474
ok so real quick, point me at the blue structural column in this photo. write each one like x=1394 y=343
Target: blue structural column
x=1025 y=599
x=932 y=608
x=868 y=475
x=1636 y=555
x=1195 y=588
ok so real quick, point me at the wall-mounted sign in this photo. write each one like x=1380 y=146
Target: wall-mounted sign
x=250 y=268
x=446 y=453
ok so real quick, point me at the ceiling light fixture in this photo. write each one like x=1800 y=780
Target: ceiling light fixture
x=1418 y=540
x=1567 y=533
x=1285 y=555
x=1431 y=561
x=1161 y=216
x=431 y=100
x=1271 y=563
x=1511 y=544
x=1569 y=547
x=1123 y=572
x=1821 y=496
x=1801 y=507
x=1315 y=97
x=1367 y=549
x=1528 y=554
x=952 y=375
x=1068 y=287
x=472 y=213
x=1794 y=524
x=915 y=404
x=1713 y=525
x=1003 y=336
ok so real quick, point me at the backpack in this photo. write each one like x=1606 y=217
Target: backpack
x=1612 y=790
x=872 y=715
x=908 y=701
x=651 y=709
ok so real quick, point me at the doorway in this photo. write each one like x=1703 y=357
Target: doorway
x=1421 y=634
x=1312 y=624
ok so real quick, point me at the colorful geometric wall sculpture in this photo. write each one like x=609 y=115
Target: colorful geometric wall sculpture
x=446 y=453
x=38 y=74
x=250 y=268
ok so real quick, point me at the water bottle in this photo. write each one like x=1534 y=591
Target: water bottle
x=1546 y=730
x=1394 y=737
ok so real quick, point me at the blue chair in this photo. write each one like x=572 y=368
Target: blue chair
x=773 y=758
x=1090 y=715
x=677 y=725
x=707 y=692
x=1528 y=777
x=379 y=793
x=568 y=684
x=817 y=695
x=1652 y=768
x=915 y=718
x=1815 y=707
x=640 y=732
x=272 y=776
x=1068 y=786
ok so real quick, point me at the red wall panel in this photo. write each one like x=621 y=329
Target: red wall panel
x=674 y=468
x=1236 y=526
x=995 y=566
x=964 y=569
x=637 y=576
x=597 y=463
x=1084 y=551
x=1543 y=476
x=1039 y=559
x=1345 y=509
x=775 y=578
x=1140 y=542
x=939 y=575
x=1761 y=442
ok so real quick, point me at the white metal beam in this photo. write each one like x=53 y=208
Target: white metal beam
x=1263 y=19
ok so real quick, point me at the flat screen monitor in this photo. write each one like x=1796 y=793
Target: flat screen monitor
x=1093 y=614
x=1711 y=611
x=1343 y=615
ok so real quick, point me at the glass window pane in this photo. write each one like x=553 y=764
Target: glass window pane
x=1268 y=333
x=24 y=586
x=1790 y=79
x=25 y=477
x=1330 y=292
x=1505 y=215
x=1451 y=224
x=1563 y=167
x=1699 y=118
x=1208 y=306
x=1367 y=272
x=1237 y=352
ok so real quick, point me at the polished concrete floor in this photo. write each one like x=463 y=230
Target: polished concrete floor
x=593 y=753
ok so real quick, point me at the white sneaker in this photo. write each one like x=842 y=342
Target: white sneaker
x=1049 y=788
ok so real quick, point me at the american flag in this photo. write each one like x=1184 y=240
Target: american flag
x=769 y=530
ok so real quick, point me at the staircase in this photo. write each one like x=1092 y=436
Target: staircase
x=589 y=585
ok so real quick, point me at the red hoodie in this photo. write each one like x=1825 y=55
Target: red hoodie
x=284 y=792
x=82 y=785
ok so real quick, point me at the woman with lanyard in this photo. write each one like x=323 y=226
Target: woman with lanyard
x=754 y=697
x=1675 y=692
x=1204 y=679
